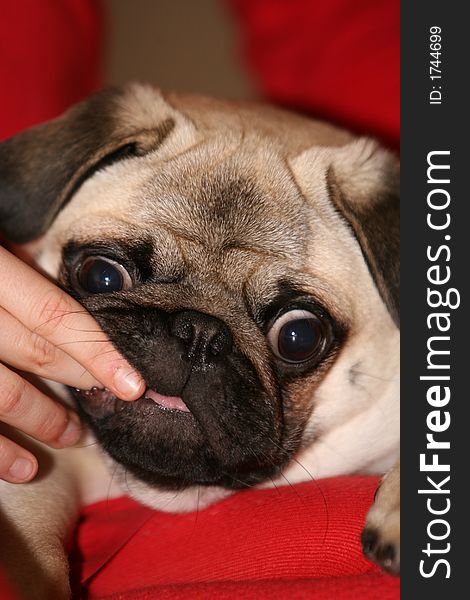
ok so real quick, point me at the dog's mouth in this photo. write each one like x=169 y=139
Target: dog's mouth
x=167 y=402
x=100 y=402
x=219 y=428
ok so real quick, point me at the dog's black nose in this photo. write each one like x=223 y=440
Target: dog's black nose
x=204 y=336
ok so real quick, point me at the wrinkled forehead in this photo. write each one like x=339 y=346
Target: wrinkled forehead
x=242 y=200
x=215 y=213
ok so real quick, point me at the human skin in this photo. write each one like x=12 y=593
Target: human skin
x=47 y=333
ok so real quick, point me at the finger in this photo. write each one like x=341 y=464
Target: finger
x=55 y=316
x=26 y=408
x=17 y=465
x=28 y=351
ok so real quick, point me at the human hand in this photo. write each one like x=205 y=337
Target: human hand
x=46 y=332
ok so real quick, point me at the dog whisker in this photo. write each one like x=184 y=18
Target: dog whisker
x=108 y=492
x=196 y=513
x=235 y=480
x=110 y=351
x=312 y=478
x=90 y=445
x=81 y=342
x=275 y=486
x=61 y=315
x=126 y=483
x=169 y=501
x=377 y=377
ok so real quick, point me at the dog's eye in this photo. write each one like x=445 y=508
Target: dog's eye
x=298 y=336
x=101 y=275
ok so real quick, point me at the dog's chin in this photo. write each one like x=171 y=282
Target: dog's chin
x=169 y=443
x=189 y=499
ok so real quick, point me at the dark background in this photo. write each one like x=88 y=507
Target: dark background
x=426 y=128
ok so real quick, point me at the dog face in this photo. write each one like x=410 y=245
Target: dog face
x=244 y=261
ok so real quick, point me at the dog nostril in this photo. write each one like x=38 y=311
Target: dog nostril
x=221 y=343
x=182 y=328
x=202 y=334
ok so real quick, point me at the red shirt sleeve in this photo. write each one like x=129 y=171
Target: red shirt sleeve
x=338 y=59
x=50 y=58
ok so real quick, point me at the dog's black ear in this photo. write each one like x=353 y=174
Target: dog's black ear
x=362 y=181
x=42 y=167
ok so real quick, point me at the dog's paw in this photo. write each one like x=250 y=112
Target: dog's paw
x=381 y=534
x=381 y=544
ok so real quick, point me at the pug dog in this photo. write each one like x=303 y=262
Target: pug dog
x=245 y=261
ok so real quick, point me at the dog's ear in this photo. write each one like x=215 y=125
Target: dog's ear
x=42 y=167
x=361 y=180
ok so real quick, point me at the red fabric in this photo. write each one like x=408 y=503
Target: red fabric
x=6 y=592
x=337 y=58
x=50 y=57
x=295 y=542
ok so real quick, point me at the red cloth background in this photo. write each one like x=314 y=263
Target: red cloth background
x=300 y=542
x=340 y=59
x=50 y=57
x=334 y=58
x=283 y=543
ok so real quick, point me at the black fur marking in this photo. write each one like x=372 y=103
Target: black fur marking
x=232 y=433
x=135 y=257
x=353 y=373
x=41 y=168
x=289 y=297
x=376 y=226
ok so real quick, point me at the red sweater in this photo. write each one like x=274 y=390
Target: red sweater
x=339 y=59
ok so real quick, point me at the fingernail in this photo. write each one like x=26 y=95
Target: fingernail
x=21 y=469
x=128 y=383
x=72 y=432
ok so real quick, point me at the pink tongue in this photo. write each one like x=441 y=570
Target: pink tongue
x=170 y=402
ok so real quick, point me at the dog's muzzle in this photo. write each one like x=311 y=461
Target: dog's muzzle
x=205 y=417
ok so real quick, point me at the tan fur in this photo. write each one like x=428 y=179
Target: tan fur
x=36 y=517
x=383 y=519
x=350 y=408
